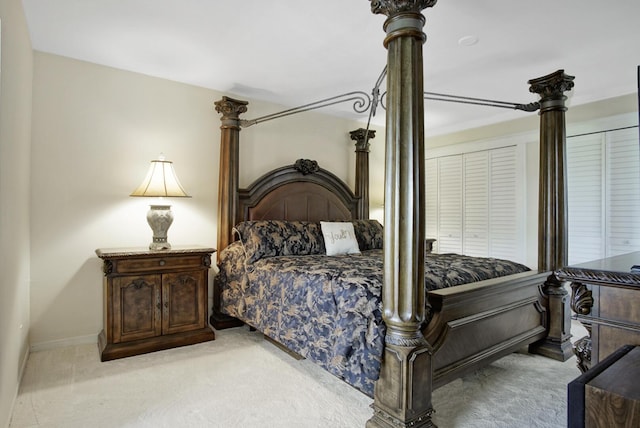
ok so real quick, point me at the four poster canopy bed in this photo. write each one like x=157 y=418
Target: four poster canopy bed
x=301 y=261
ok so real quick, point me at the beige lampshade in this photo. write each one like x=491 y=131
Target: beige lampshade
x=161 y=180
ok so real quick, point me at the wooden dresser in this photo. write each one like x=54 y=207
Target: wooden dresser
x=606 y=299
x=154 y=300
x=608 y=394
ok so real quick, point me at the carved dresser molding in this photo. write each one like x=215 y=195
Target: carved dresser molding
x=606 y=300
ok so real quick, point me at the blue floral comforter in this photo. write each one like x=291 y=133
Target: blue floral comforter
x=328 y=308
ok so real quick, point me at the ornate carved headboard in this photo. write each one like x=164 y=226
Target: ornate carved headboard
x=302 y=191
x=321 y=195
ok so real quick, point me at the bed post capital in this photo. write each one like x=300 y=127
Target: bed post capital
x=362 y=136
x=231 y=109
x=551 y=89
x=394 y=7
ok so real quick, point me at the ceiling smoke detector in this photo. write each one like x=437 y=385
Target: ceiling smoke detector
x=468 y=40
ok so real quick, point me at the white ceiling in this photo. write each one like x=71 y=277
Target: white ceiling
x=293 y=52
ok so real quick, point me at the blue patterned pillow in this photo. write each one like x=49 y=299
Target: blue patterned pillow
x=270 y=238
x=369 y=234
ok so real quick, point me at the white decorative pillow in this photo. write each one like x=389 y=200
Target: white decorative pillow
x=339 y=238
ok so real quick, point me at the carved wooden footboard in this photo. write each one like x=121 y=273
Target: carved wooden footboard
x=474 y=324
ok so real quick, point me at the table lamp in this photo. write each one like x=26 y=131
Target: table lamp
x=160 y=182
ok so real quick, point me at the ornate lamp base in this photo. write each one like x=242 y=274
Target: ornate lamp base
x=160 y=218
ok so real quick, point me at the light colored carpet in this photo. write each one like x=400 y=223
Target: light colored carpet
x=242 y=380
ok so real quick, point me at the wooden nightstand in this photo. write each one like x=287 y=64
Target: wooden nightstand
x=429 y=244
x=154 y=300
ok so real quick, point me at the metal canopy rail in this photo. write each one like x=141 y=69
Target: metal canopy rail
x=363 y=102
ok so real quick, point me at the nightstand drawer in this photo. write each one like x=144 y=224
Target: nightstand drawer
x=134 y=265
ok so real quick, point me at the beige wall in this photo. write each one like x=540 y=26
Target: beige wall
x=95 y=129
x=15 y=124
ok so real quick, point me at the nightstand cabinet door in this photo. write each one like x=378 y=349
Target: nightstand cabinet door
x=184 y=301
x=137 y=307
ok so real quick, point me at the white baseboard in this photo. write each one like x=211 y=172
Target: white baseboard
x=61 y=343
x=23 y=366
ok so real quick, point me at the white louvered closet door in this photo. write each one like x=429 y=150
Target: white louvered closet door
x=623 y=192
x=472 y=205
x=603 y=195
x=503 y=204
x=585 y=194
x=476 y=204
x=431 y=201
x=450 y=204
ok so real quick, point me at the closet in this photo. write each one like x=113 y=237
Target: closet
x=474 y=204
x=603 y=194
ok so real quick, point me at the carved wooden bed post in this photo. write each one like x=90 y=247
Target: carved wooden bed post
x=227 y=191
x=229 y=167
x=552 y=211
x=402 y=396
x=362 y=137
